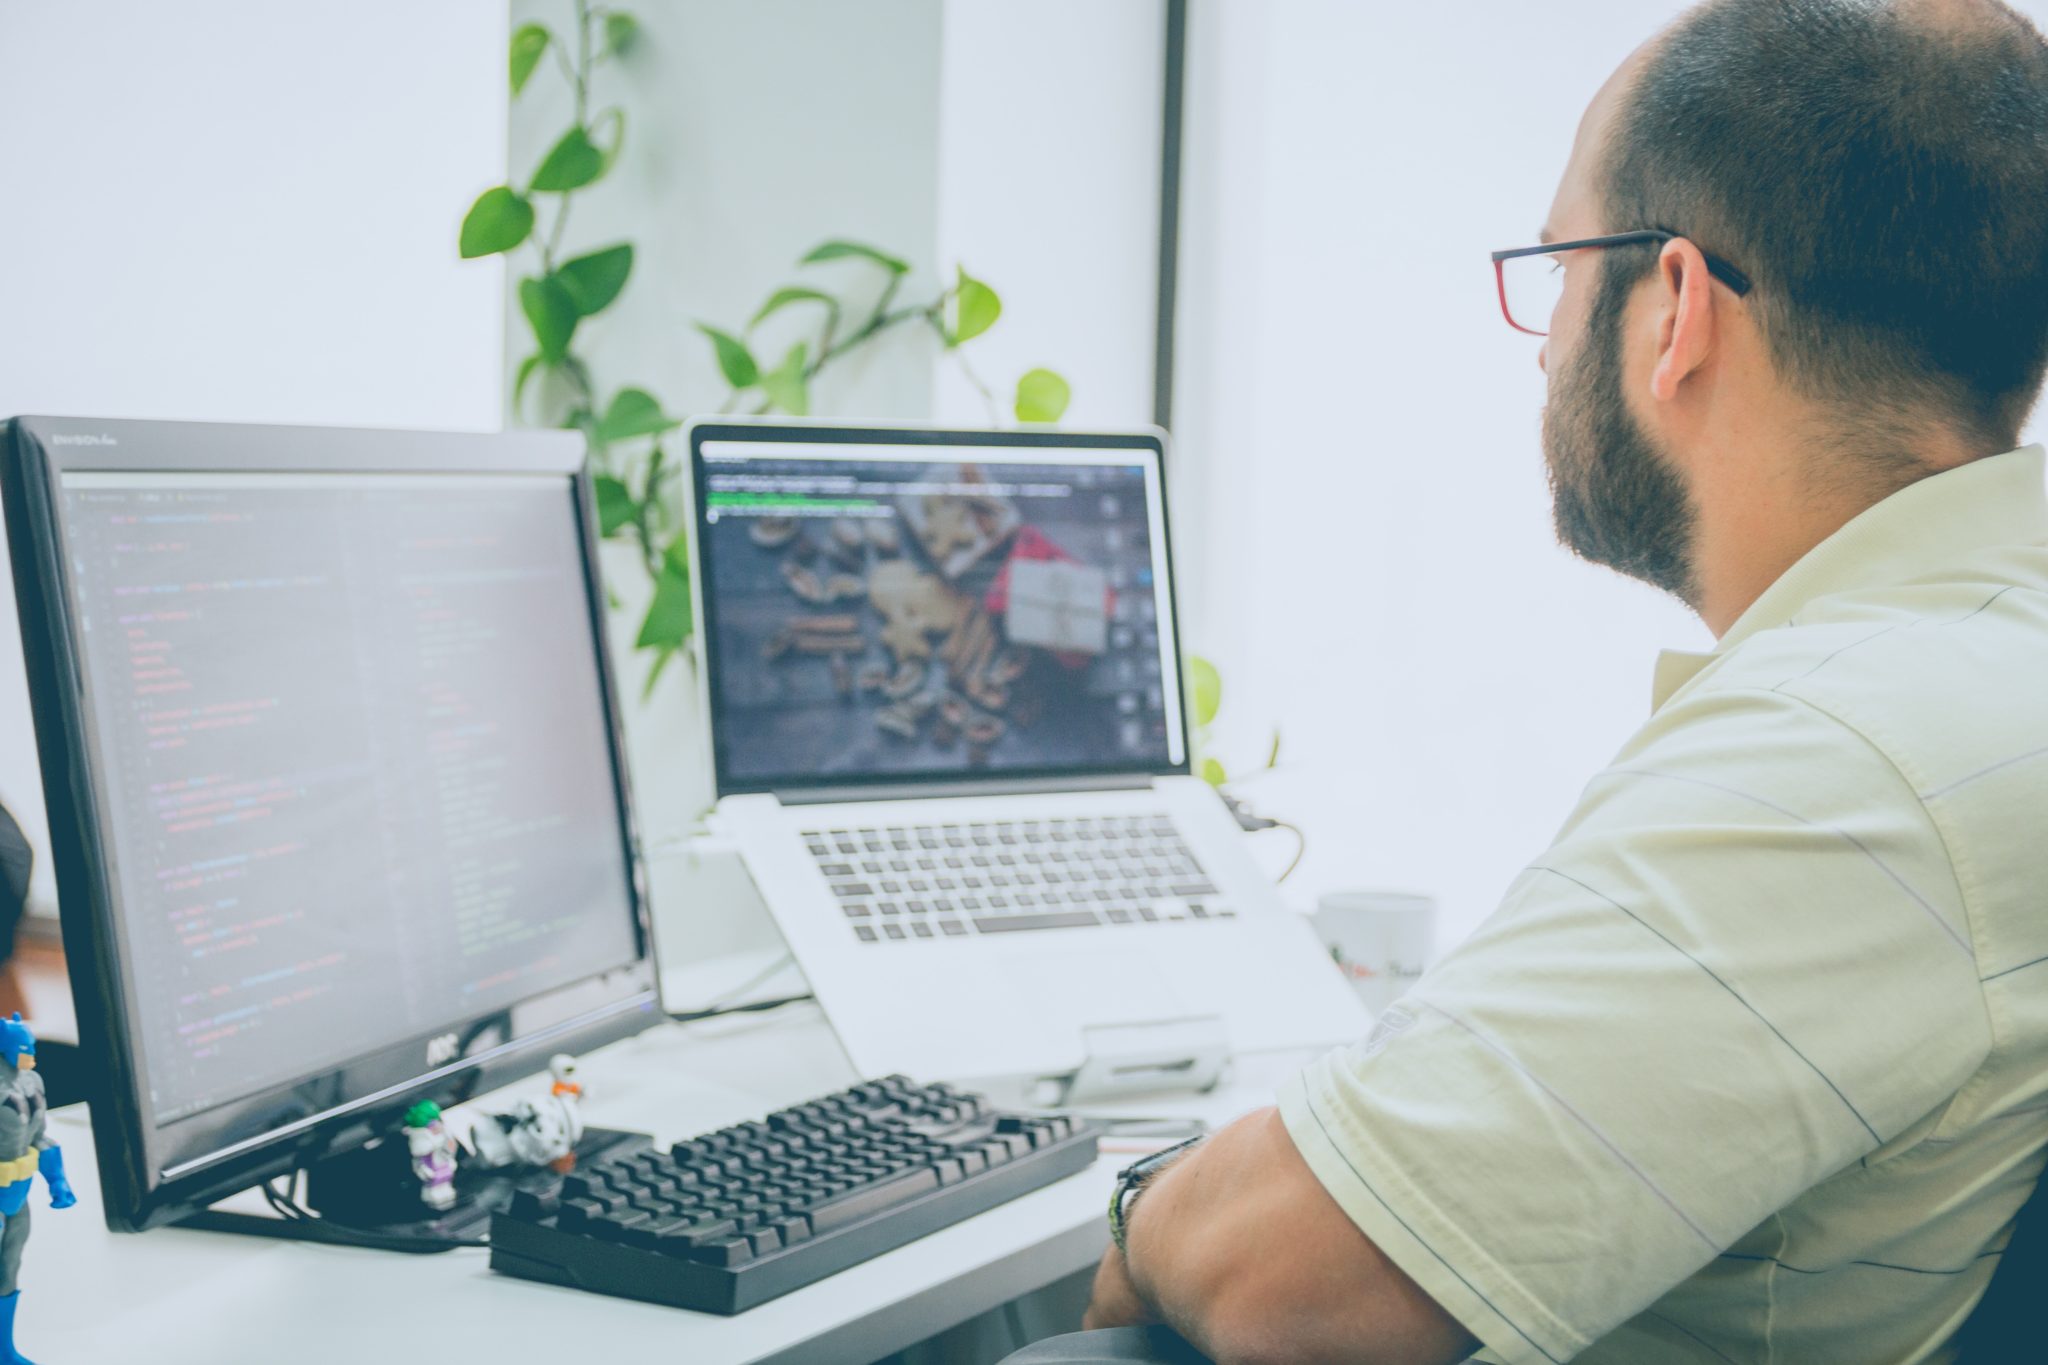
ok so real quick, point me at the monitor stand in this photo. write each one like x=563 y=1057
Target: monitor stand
x=370 y=1198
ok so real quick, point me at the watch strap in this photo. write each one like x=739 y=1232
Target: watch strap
x=1131 y=1179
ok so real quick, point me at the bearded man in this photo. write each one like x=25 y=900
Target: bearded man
x=1752 y=1063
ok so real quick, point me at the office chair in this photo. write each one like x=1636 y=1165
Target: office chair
x=2008 y=1323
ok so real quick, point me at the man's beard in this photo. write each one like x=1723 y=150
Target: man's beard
x=1615 y=498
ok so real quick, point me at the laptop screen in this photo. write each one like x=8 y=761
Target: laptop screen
x=891 y=607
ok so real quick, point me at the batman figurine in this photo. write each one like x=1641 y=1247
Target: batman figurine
x=25 y=1148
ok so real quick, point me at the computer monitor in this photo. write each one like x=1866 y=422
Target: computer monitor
x=338 y=801
x=929 y=607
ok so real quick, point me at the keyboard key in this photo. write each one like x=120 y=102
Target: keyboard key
x=870 y=1199
x=865 y=934
x=729 y=1251
x=1066 y=919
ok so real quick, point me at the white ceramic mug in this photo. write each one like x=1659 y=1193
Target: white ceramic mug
x=1381 y=940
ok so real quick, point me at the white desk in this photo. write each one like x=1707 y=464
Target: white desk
x=173 y=1296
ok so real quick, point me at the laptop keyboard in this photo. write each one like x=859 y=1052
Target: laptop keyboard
x=899 y=883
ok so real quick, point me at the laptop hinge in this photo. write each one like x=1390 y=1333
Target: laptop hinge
x=924 y=791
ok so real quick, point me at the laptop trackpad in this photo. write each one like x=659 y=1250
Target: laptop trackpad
x=1096 y=988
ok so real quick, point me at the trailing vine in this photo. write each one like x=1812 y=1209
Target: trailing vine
x=635 y=478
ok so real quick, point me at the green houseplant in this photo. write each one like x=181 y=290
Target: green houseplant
x=626 y=426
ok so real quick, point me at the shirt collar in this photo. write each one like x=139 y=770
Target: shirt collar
x=1919 y=530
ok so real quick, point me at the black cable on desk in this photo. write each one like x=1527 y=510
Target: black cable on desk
x=326 y=1230
x=751 y=1007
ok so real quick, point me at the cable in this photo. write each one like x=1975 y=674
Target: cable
x=284 y=1203
x=725 y=1004
x=281 y=1203
x=1300 y=847
x=1252 y=823
x=1242 y=813
x=327 y=1230
x=750 y=1007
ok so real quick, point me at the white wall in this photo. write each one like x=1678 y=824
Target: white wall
x=1048 y=187
x=1372 y=562
x=238 y=210
x=755 y=130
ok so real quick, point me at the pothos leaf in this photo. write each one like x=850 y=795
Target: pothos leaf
x=839 y=250
x=975 y=309
x=735 y=361
x=499 y=220
x=786 y=386
x=1205 y=689
x=529 y=44
x=1042 y=396
x=552 y=314
x=615 y=505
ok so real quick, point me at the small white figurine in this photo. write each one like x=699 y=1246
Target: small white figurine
x=540 y=1132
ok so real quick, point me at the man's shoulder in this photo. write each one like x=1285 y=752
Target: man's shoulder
x=1897 y=663
x=1943 y=678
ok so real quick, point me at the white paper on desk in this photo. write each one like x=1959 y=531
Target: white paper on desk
x=1058 y=605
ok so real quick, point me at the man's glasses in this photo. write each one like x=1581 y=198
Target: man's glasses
x=1531 y=278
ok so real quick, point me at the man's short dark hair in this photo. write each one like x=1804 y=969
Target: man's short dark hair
x=1880 y=169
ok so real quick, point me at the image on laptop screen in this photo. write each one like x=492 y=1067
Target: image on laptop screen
x=894 y=613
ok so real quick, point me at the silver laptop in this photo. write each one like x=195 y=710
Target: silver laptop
x=950 y=744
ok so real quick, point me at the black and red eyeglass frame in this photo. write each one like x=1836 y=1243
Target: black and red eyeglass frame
x=1720 y=269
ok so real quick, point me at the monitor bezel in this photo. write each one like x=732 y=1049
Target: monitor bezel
x=1150 y=441
x=346 y=1105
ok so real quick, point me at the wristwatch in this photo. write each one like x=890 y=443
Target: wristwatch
x=1132 y=1178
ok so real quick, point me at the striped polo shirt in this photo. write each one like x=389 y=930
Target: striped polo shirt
x=1751 y=1064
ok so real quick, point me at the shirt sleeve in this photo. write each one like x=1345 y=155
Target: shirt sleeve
x=1744 y=965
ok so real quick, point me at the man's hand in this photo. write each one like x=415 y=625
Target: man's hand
x=1238 y=1247
x=1114 y=1302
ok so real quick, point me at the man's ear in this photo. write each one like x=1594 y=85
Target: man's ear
x=1685 y=329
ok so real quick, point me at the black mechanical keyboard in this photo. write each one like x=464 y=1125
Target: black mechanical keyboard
x=734 y=1218
x=901 y=883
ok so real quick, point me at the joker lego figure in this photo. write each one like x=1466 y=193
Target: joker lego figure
x=433 y=1156
x=24 y=1149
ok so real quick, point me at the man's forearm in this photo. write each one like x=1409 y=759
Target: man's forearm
x=1238 y=1248
x=1115 y=1301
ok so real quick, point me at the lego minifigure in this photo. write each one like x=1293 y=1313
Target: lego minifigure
x=25 y=1148
x=566 y=1096
x=540 y=1132
x=433 y=1155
